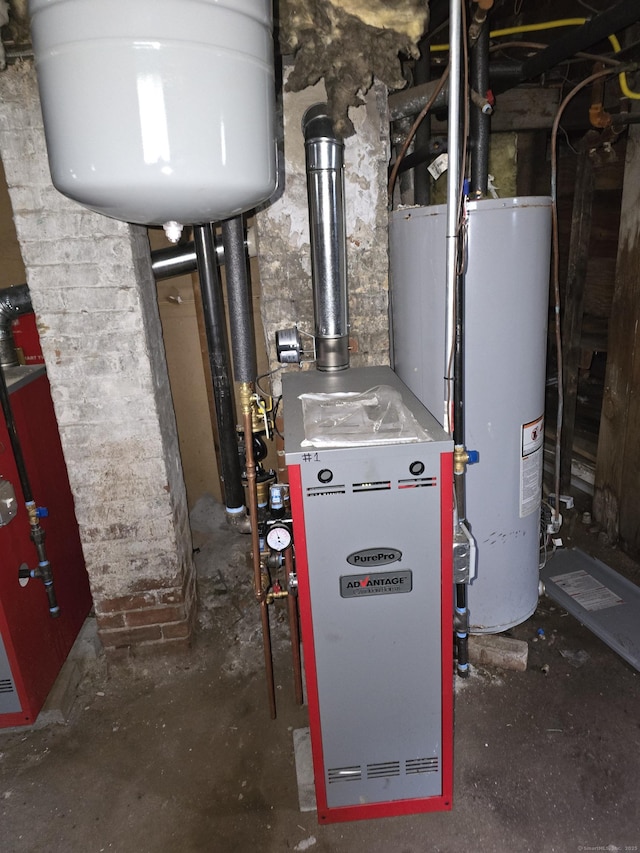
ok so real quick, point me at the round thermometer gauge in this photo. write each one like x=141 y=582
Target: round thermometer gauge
x=278 y=537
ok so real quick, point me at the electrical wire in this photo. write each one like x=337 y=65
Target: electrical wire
x=556 y=267
x=269 y=373
x=568 y=141
x=275 y=416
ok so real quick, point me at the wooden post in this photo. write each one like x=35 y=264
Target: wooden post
x=616 y=503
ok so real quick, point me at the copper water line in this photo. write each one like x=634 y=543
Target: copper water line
x=292 y=604
x=246 y=392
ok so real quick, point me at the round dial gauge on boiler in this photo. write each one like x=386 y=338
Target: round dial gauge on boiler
x=279 y=537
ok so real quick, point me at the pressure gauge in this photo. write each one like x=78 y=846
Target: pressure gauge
x=278 y=537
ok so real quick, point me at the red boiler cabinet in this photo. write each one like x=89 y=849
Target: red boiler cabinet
x=33 y=645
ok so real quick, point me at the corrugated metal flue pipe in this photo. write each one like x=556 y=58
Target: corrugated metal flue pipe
x=325 y=188
x=14 y=301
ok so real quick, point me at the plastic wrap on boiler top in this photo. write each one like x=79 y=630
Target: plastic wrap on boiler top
x=377 y=416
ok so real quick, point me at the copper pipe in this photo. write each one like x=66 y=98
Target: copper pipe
x=246 y=392
x=598 y=116
x=292 y=605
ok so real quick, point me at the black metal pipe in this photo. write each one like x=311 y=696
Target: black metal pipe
x=14 y=301
x=43 y=571
x=461 y=611
x=504 y=76
x=14 y=439
x=243 y=345
x=421 y=177
x=216 y=331
x=458 y=368
x=480 y=122
x=409 y=102
x=612 y=20
x=462 y=631
x=436 y=146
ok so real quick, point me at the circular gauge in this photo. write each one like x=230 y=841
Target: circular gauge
x=278 y=537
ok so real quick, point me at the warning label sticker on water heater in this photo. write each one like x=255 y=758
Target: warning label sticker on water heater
x=531 y=458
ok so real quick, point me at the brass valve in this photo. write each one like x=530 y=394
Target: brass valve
x=463 y=457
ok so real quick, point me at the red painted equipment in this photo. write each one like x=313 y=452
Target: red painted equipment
x=33 y=645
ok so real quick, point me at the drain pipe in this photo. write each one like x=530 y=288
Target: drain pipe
x=245 y=370
x=14 y=301
x=216 y=332
x=325 y=188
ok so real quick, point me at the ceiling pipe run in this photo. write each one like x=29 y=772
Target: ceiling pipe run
x=503 y=77
x=325 y=188
x=599 y=28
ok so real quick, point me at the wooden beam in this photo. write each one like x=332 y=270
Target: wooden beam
x=616 y=503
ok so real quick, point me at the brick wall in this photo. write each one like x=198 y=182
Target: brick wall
x=94 y=296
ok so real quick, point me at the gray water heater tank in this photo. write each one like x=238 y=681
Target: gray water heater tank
x=158 y=110
x=506 y=308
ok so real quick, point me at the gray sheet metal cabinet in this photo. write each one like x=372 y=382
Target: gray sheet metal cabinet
x=372 y=534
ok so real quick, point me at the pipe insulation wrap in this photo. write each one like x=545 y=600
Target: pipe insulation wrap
x=239 y=298
x=325 y=188
x=216 y=332
x=479 y=122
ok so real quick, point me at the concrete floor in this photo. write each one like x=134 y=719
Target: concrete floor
x=181 y=755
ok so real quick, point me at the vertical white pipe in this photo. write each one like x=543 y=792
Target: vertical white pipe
x=453 y=189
